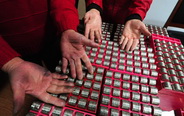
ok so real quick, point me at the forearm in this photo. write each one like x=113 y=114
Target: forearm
x=96 y=2
x=94 y=6
x=139 y=7
x=10 y=65
x=65 y=14
x=133 y=16
x=6 y=52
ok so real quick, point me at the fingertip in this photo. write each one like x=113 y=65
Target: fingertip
x=60 y=103
x=132 y=49
x=64 y=76
x=146 y=32
x=63 y=104
x=123 y=47
x=80 y=78
x=64 y=70
x=100 y=38
x=15 y=111
x=91 y=71
x=94 y=44
x=19 y=96
x=17 y=106
x=121 y=39
x=73 y=75
x=72 y=84
x=149 y=33
x=127 y=50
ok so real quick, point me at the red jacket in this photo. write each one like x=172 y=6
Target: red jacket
x=116 y=11
x=26 y=26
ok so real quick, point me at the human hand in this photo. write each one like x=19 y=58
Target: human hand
x=72 y=50
x=131 y=34
x=93 y=23
x=30 y=78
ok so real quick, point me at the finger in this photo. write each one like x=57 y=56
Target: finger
x=122 y=39
x=58 y=76
x=79 y=68
x=88 y=42
x=124 y=43
x=88 y=64
x=145 y=31
x=101 y=36
x=100 y=30
x=92 y=35
x=129 y=44
x=86 y=19
x=64 y=64
x=135 y=43
x=61 y=83
x=18 y=96
x=72 y=68
x=51 y=99
x=87 y=32
x=60 y=89
x=98 y=36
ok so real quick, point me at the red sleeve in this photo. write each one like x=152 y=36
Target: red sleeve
x=97 y=2
x=140 y=7
x=6 y=52
x=65 y=14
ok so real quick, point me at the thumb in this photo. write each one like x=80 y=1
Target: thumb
x=86 y=19
x=18 y=96
x=145 y=31
x=88 y=42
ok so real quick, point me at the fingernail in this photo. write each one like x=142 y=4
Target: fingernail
x=63 y=104
x=15 y=111
x=64 y=75
x=80 y=77
x=72 y=84
x=74 y=76
x=91 y=71
x=64 y=71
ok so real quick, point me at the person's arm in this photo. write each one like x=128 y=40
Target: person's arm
x=138 y=9
x=92 y=20
x=94 y=4
x=71 y=44
x=134 y=25
x=97 y=2
x=6 y=52
x=65 y=14
x=29 y=78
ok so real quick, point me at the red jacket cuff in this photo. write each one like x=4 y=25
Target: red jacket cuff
x=98 y=2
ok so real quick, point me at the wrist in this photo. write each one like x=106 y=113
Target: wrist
x=133 y=20
x=94 y=6
x=133 y=16
x=12 y=64
x=95 y=11
x=68 y=30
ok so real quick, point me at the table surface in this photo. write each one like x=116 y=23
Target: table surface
x=6 y=99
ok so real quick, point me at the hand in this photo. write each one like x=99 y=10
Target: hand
x=73 y=52
x=131 y=34
x=93 y=23
x=30 y=78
